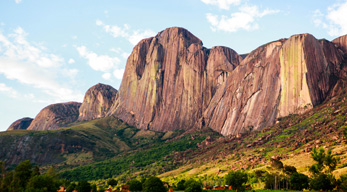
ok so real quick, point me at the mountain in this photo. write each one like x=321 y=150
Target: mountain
x=23 y=123
x=171 y=82
x=55 y=116
x=97 y=102
x=170 y=79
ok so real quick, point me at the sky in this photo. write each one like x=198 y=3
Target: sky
x=53 y=51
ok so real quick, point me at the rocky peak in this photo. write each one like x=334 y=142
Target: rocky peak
x=55 y=116
x=97 y=102
x=170 y=79
x=23 y=123
x=341 y=43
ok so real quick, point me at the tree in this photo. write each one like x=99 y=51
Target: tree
x=36 y=171
x=71 y=187
x=153 y=184
x=289 y=170
x=277 y=164
x=343 y=182
x=236 y=179
x=7 y=181
x=51 y=172
x=192 y=186
x=42 y=183
x=322 y=169
x=84 y=186
x=321 y=182
x=135 y=185
x=180 y=185
x=23 y=173
x=299 y=181
x=94 y=188
x=101 y=189
x=326 y=162
x=112 y=182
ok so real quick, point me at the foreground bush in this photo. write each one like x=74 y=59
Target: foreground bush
x=153 y=184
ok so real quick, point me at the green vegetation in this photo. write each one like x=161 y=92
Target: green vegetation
x=153 y=184
x=112 y=182
x=26 y=178
x=192 y=186
x=155 y=159
x=236 y=179
x=135 y=185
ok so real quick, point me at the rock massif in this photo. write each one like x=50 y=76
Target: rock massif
x=284 y=77
x=23 y=123
x=55 y=116
x=172 y=82
x=97 y=102
x=170 y=79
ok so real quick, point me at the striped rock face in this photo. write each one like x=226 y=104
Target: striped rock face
x=170 y=79
x=285 y=77
x=97 y=102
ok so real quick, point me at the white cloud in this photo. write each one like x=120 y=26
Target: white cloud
x=118 y=73
x=107 y=76
x=8 y=90
x=244 y=19
x=102 y=63
x=18 y=1
x=31 y=64
x=335 y=20
x=133 y=36
x=222 y=4
x=71 y=61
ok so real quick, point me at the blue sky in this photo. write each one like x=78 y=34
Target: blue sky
x=53 y=51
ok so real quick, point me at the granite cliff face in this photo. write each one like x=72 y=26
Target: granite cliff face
x=170 y=79
x=23 y=123
x=285 y=77
x=55 y=116
x=172 y=82
x=97 y=102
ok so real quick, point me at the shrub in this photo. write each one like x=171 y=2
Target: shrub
x=299 y=181
x=153 y=184
x=321 y=182
x=112 y=182
x=236 y=179
x=135 y=185
x=42 y=183
x=192 y=186
x=343 y=182
x=180 y=185
x=84 y=186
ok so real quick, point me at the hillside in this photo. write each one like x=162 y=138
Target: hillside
x=107 y=140
x=290 y=140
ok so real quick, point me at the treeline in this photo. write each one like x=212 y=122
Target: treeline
x=284 y=177
x=27 y=178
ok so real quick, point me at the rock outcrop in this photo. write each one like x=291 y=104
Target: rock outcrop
x=97 y=102
x=170 y=79
x=341 y=43
x=55 y=116
x=23 y=123
x=280 y=78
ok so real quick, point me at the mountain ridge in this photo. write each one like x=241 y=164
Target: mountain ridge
x=172 y=82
